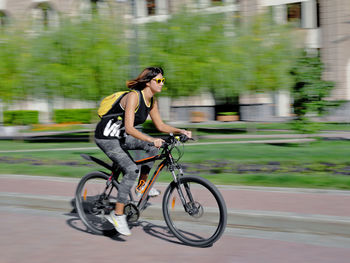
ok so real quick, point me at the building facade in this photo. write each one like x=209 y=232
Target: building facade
x=325 y=23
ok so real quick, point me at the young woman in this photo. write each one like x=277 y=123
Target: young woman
x=116 y=134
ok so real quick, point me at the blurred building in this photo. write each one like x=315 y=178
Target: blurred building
x=326 y=24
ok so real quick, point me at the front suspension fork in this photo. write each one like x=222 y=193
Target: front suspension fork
x=177 y=177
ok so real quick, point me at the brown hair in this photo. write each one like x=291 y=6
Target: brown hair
x=145 y=76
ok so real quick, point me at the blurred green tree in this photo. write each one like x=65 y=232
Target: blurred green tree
x=90 y=58
x=264 y=53
x=84 y=59
x=190 y=47
x=13 y=55
x=310 y=92
x=206 y=51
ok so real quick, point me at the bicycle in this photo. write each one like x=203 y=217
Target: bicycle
x=193 y=208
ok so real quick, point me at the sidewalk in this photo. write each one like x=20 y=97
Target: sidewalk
x=278 y=209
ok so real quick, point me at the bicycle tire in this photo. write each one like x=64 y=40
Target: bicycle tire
x=92 y=205
x=207 y=223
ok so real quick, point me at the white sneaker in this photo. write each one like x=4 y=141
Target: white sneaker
x=119 y=222
x=152 y=193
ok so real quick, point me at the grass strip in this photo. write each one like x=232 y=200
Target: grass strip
x=320 y=164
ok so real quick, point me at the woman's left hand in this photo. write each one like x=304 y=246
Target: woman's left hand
x=187 y=133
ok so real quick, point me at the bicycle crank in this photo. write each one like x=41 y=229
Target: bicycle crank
x=132 y=212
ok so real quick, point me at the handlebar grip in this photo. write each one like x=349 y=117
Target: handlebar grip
x=184 y=138
x=173 y=139
x=163 y=145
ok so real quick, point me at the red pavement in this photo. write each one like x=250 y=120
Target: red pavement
x=44 y=236
x=318 y=202
x=49 y=239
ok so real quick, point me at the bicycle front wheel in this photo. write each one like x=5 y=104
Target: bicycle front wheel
x=195 y=211
x=95 y=197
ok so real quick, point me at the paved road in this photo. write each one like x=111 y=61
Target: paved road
x=266 y=225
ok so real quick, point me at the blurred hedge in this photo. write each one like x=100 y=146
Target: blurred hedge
x=21 y=117
x=74 y=115
x=148 y=127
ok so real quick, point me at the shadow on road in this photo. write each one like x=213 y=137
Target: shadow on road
x=161 y=232
x=75 y=223
x=157 y=231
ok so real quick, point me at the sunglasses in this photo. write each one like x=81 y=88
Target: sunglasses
x=159 y=80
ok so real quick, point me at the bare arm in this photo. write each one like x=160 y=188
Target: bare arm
x=161 y=126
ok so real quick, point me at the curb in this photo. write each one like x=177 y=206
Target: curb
x=263 y=220
x=75 y=180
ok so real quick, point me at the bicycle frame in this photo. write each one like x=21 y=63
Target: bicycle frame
x=167 y=161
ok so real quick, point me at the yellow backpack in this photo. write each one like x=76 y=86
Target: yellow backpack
x=108 y=102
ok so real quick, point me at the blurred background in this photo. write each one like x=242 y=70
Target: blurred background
x=263 y=84
x=259 y=60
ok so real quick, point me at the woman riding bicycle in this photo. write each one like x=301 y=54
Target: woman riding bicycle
x=115 y=134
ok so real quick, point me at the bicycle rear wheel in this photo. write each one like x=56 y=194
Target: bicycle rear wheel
x=95 y=197
x=202 y=220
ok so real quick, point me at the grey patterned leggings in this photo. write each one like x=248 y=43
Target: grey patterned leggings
x=117 y=151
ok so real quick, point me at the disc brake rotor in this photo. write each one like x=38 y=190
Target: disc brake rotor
x=195 y=209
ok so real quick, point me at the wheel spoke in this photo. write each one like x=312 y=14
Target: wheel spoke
x=95 y=199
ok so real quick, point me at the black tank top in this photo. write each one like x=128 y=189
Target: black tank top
x=112 y=125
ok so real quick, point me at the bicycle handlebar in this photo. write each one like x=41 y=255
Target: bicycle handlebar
x=171 y=139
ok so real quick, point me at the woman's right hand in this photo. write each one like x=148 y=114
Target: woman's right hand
x=158 y=143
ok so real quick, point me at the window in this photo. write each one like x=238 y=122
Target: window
x=43 y=16
x=43 y=10
x=94 y=7
x=99 y=6
x=294 y=13
x=151 y=7
x=91 y=8
x=318 y=13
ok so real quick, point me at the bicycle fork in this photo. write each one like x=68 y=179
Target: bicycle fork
x=188 y=206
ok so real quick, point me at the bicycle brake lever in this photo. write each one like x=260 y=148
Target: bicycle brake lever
x=184 y=138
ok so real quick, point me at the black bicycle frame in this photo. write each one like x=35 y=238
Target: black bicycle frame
x=167 y=161
x=143 y=200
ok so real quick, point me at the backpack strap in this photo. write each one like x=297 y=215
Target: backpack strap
x=138 y=92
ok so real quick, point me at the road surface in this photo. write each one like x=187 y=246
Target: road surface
x=37 y=227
